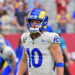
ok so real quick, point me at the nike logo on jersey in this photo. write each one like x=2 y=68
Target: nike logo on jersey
x=24 y=40
x=44 y=40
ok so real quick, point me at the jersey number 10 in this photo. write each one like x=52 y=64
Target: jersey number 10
x=31 y=56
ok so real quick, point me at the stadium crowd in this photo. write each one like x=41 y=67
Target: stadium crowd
x=13 y=14
x=13 y=19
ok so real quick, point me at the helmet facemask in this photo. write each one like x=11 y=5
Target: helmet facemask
x=35 y=26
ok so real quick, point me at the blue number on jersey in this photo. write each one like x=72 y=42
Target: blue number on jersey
x=32 y=57
x=56 y=39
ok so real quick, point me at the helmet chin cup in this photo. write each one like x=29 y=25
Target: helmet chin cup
x=35 y=30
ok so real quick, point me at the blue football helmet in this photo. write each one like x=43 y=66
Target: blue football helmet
x=37 y=14
x=2 y=44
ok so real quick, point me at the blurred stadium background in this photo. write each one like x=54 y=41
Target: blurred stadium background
x=61 y=13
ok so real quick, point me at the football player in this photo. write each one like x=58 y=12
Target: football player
x=9 y=56
x=40 y=48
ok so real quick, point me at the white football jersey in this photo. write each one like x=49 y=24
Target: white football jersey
x=5 y=54
x=40 y=60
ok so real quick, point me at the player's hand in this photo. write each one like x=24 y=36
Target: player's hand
x=11 y=73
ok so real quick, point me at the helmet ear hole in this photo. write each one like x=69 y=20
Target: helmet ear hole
x=29 y=20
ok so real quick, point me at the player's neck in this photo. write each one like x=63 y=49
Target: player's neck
x=35 y=35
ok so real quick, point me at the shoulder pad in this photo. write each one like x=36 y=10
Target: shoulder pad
x=56 y=38
x=24 y=37
x=52 y=37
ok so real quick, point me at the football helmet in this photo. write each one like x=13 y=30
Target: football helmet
x=37 y=14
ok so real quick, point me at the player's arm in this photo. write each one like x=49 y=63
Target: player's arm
x=57 y=55
x=69 y=19
x=13 y=62
x=17 y=24
x=58 y=19
x=23 y=64
x=25 y=24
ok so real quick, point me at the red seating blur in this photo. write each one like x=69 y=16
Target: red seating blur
x=13 y=39
x=72 y=69
x=70 y=41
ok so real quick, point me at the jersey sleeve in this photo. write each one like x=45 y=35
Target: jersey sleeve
x=8 y=51
x=24 y=38
x=55 y=38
